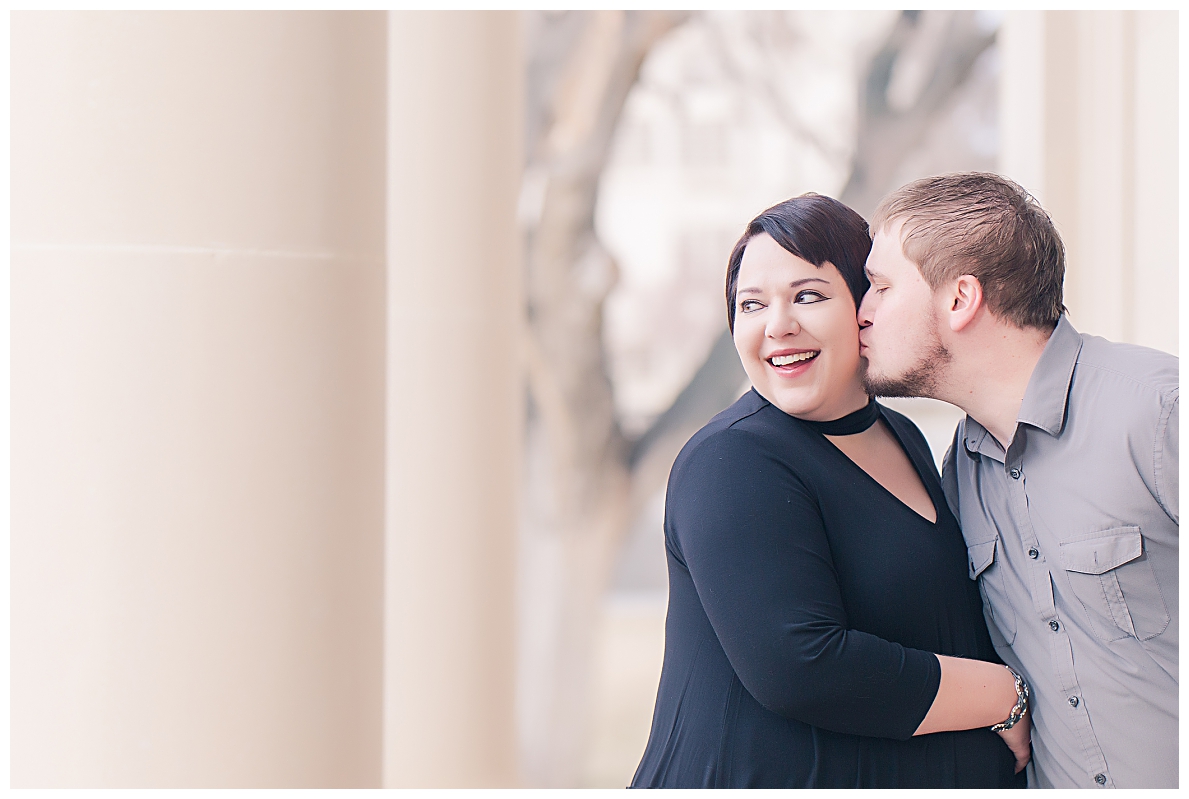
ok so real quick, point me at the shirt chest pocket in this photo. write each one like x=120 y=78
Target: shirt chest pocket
x=1001 y=616
x=1110 y=573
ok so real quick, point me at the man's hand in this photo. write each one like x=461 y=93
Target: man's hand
x=1019 y=740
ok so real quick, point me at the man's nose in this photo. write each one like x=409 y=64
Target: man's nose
x=865 y=310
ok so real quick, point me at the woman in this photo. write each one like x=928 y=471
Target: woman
x=822 y=628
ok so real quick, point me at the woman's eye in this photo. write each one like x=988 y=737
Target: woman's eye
x=750 y=305
x=810 y=296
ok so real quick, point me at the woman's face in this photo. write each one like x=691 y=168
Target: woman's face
x=796 y=333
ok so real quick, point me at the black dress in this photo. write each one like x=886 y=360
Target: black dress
x=805 y=605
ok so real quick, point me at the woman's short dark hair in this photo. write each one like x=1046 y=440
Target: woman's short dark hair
x=815 y=228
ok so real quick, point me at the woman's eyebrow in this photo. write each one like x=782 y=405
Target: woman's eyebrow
x=793 y=285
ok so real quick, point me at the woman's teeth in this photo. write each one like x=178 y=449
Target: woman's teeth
x=785 y=360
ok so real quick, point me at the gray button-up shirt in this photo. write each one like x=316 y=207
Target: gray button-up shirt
x=1072 y=535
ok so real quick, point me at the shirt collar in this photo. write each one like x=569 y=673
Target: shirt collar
x=1046 y=397
x=976 y=434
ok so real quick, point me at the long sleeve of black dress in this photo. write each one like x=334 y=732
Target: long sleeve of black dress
x=806 y=605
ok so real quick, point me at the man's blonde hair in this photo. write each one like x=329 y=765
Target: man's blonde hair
x=982 y=224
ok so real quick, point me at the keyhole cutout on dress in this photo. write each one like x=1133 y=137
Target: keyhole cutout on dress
x=877 y=452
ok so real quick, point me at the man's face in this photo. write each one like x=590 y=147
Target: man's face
x=900 y=324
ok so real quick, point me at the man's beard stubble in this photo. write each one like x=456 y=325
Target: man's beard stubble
x=920 y=380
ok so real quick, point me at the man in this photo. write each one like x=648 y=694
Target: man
x=1063 y=473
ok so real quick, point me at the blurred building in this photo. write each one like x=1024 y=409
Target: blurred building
x=1090 y=126
x=267 y=405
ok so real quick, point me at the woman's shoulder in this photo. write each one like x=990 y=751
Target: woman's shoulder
x=743 y=463
x=745 y=417
x=750 y=431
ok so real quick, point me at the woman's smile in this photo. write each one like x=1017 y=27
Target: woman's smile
x=792 y=363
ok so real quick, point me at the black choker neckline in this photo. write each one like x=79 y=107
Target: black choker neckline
x=850 y=424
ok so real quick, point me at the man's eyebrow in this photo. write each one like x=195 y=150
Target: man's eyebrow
x=793 y=285
x=872 y=272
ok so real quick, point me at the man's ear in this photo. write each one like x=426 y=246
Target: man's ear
x=966 y=300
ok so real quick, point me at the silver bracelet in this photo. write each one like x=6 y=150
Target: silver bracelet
x=1021 y=707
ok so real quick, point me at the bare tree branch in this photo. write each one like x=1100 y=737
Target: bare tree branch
x=577 y=503
x=763 y=81
x=886 y=136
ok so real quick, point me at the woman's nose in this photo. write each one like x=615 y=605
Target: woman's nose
x=783 y=323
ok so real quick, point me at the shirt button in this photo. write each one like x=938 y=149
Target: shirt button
x=1015 y=474
x=1054 y=626
x=1100 y=779
x=1032 y=553
x=1073 y=700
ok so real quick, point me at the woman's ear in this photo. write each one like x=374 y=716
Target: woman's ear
x=966 y=300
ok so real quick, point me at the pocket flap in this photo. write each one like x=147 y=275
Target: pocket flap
x=1102 y=551
x=980 y=556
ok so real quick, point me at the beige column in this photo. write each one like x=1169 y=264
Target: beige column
x=1157 y=180
x=455 y=400
x=197 y=399
x=1089 y=120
